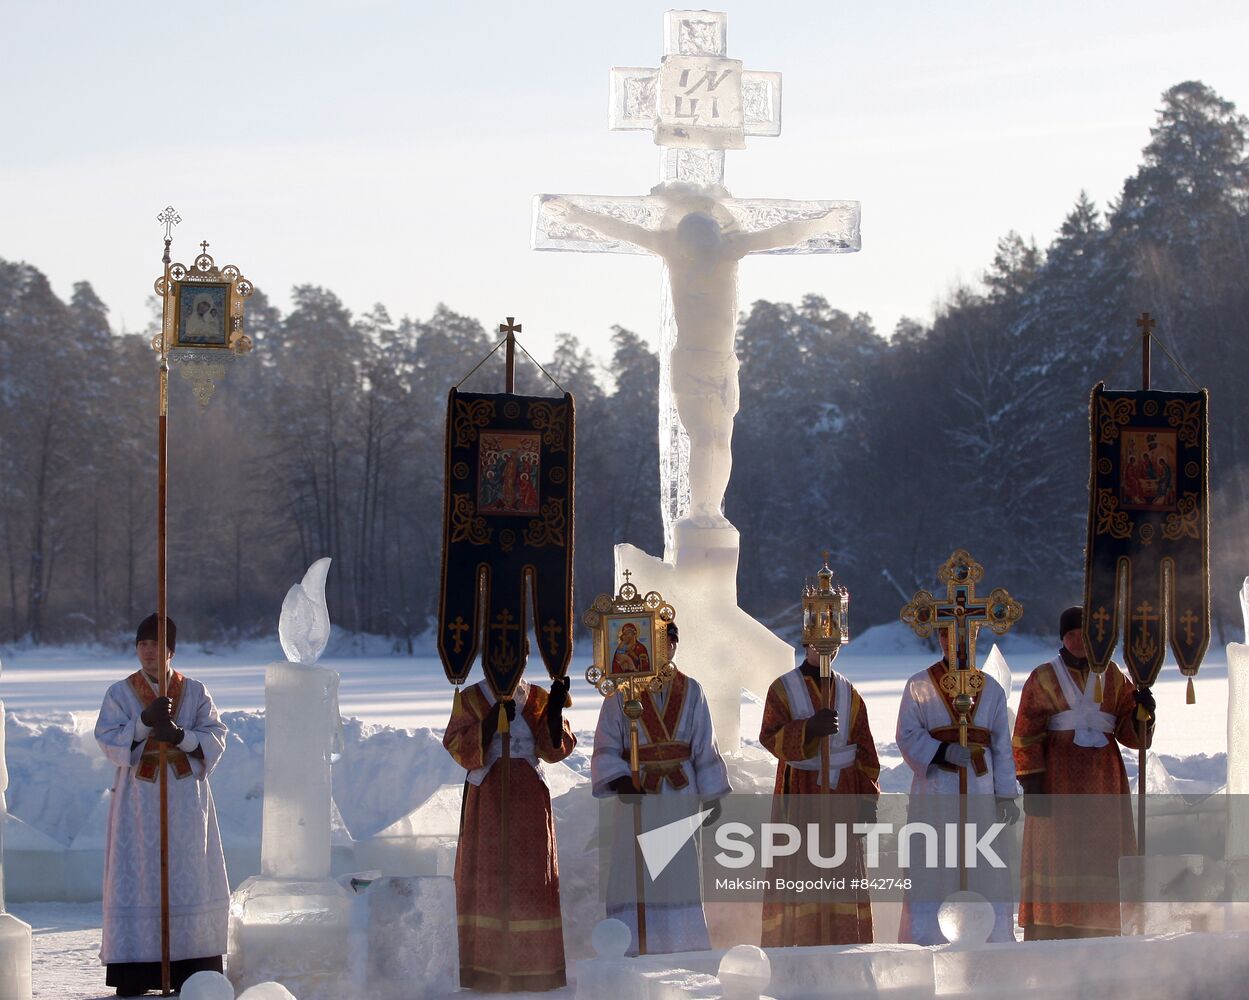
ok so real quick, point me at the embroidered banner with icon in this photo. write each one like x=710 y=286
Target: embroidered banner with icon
x=507 y=535
x=1149 y=522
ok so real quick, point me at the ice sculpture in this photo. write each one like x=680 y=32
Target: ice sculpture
x=15 y=965
x=697 y=104
x=1238 y=742
x=290 y=922
x=995 y=666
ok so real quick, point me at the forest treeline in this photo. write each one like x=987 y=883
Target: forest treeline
x=969 y=431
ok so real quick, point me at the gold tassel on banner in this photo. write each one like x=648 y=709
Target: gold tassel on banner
x=455 y=702
x=503 y=726
x=1098 y=690
x=1191 y=697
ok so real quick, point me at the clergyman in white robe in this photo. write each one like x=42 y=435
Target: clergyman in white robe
x=199 y=893
x=926 y=721
x=682 y=771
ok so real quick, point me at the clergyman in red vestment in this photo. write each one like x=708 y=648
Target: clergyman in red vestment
x=507 y=894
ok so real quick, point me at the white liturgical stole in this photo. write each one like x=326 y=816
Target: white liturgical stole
x=1083 y=714
x=522 y=746
x=840 y=752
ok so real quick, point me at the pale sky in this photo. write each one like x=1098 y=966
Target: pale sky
x=390 y=150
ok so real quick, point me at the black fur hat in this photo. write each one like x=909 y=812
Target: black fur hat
x=1073 y=617
x=148 y=630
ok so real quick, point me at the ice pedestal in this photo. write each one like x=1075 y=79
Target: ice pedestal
x=15 y=978
x=722 y=647
x=15 y=981
x=291 y=923
x=295 y=932
x=1238 y=750
x=413 y=941
x=1170 y=894
x=301 y=721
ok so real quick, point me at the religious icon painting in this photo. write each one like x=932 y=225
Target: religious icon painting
x=1147 y=570
x=203 y=308
x=632 y=644
x=507 y=535
x=630 y=633
x=1147 y=480
x=508 y=474
x=203 y=316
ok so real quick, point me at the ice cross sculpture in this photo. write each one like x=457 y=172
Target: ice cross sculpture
x=697 y=104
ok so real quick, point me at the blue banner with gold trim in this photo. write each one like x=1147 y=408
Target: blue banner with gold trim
x=1148 y=530
x=507 y=535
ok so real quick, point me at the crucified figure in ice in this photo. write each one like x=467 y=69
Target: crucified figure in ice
x=701 y=238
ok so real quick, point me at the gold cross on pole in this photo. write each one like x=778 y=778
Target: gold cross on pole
x=511 y=326
x=1146 y=323
x=962 y=613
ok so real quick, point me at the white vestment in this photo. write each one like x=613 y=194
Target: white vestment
x=674 y=909
x=923 y=709
x=199 y=894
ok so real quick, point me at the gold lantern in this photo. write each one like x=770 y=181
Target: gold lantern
x=825 y=628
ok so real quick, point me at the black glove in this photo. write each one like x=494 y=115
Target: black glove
x=822 y=723
x=1007 y=811
x=168 y=732
x=623 y=786
x=714 y=817
x=161 y=710
x=490 y=724
x=1145 y=699
x=1036 y=802
x=555 y=709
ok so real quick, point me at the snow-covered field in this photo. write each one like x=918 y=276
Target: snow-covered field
x=393 y=762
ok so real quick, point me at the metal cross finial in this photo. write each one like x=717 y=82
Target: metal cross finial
x=626 y=575
x=511 y=326
x=168 y=218
x=1146 y=323
x=203 y=246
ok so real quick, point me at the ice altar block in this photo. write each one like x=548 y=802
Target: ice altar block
x=320 y=937
x=290 y=923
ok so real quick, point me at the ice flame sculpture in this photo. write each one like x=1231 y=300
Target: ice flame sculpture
x=290 y=922
x=304 y=625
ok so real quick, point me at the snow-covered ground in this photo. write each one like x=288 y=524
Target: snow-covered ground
x=393 y=762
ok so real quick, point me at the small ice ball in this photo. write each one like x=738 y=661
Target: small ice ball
x=611 y=938
x=267 y=991
x=966 y=918
x=745 y=972
x=207 y=986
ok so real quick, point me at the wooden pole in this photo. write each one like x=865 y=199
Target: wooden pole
x=1146 y=323
x=826 y=696
x=826 y=693
x=639 y=881
x=162 y=496
x=505 y=887
x=509 y=386
x=962 y=810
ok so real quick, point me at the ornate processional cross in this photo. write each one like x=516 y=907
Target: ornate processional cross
x=962 y=613
x=697 y=104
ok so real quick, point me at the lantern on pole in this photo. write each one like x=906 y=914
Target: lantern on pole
x=826 y=628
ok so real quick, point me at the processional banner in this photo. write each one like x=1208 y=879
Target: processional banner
x=507 y=535
x=1148 y=530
